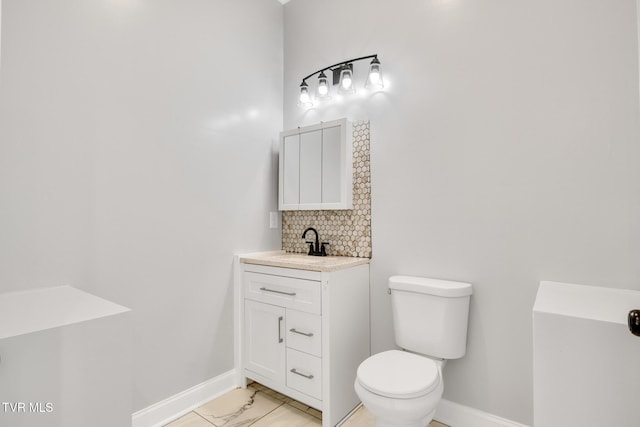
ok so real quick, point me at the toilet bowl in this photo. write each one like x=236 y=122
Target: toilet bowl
x=400 y=389
x=403 y=388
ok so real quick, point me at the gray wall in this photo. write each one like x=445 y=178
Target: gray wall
x=136 y=156
x=504 y=151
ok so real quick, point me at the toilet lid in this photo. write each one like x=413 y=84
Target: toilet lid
x=398 y=374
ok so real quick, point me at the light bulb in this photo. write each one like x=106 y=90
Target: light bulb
x=374 y=80
x=374 y=77
x=346 y=80
x=323 y=86
x=305 y=98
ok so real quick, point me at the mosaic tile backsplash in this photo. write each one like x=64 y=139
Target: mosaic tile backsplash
x=348 y=232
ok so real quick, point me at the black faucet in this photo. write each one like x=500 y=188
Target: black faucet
x=319 y=248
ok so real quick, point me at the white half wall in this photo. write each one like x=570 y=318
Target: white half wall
x=137 y=155
x=504 y=150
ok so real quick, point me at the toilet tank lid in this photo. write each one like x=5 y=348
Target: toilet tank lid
x=423 y=285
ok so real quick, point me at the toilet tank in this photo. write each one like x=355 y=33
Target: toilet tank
x=430 y=316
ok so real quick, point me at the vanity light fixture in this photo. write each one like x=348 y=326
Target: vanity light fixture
x=342 y=74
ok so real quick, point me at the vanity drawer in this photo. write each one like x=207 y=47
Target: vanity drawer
x=289 y=292
x=304 y=373
x=304 y=332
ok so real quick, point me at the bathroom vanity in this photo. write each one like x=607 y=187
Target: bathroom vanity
x=302 y=327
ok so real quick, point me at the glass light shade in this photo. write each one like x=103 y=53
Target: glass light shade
x=323 y=86
x=374 y=80
x=346 y=85
x=305 y=98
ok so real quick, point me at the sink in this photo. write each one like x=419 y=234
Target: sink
x=301 y=259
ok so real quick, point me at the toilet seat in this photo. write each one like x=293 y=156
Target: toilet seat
x=398 y=374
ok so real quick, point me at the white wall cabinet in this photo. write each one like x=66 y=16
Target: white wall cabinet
x=304 y=333
x=316 y=167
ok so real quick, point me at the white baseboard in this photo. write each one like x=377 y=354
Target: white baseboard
x=184 y=402
x=165 y=411
x=456 y=415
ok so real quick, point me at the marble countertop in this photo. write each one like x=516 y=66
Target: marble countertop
x=302 y=261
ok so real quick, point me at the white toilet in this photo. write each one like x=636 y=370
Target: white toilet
x=403 y=388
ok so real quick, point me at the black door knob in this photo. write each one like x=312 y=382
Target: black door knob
x=634 y=322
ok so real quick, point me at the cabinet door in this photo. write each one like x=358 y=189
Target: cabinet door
x=264 y=339
x=333 y=159
x=311 y=168
x=290 y=165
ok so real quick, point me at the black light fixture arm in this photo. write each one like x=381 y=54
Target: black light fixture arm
x=349 y=61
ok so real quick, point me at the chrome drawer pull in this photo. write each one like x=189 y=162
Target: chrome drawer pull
x=292 y=294
x=310 y=334
x=280 y=319
x=309 y=377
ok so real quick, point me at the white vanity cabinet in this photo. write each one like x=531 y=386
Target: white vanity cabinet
x=316 y=167
x=304 y=333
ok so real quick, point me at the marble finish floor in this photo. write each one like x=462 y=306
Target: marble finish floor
x=259 y=406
